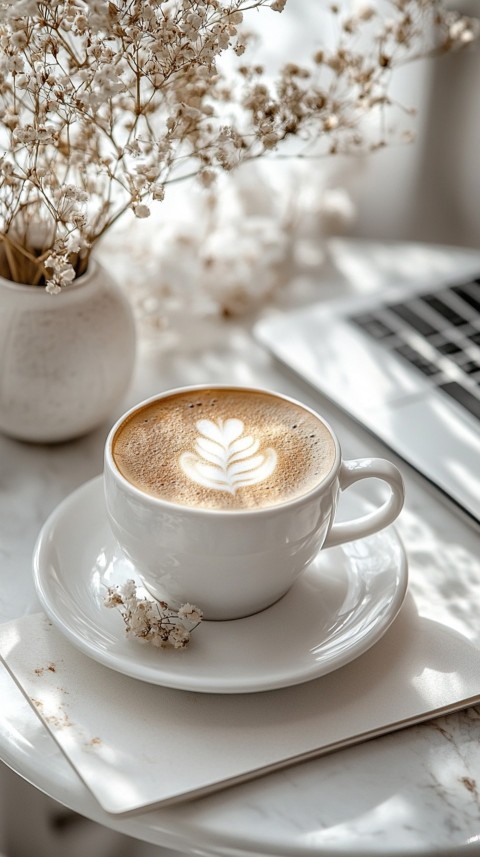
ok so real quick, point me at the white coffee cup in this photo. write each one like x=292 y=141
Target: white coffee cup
x=233 y=563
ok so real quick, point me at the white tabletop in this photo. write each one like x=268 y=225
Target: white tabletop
x=415 y=792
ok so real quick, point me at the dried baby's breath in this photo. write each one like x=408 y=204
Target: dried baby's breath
x=104 y=104
x=151 y=621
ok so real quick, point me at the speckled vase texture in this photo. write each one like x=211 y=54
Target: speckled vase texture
x=65 y=360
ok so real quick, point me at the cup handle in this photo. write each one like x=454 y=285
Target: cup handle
x=366 y=468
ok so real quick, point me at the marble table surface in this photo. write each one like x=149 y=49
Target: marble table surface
x=415 y=792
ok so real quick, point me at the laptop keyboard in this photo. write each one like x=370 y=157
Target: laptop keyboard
x=437 y=333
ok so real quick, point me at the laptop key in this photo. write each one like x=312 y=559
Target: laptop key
x=373 y=325
x=443 y=309
x=470 y=367
x=447 y=346
x=413 y=319
x=470 y=294
x=462 y=396
x=475 y=337
x=416 y=359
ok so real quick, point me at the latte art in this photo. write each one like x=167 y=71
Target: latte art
x=223 y=449
x=225 y=459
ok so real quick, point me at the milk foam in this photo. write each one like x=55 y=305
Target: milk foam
x=224 y=449
x=225 y=458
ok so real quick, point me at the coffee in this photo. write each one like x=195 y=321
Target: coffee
x=224 y=449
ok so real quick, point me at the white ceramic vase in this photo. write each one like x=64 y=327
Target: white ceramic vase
x=65 y=360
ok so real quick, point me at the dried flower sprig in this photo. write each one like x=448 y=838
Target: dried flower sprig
x=151 y=621
x=104 y=104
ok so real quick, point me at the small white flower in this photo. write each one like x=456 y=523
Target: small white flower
x=364 y=10
x=128 y=590
x=70 y=191
x=178 y=637
x=22 y=81
x=112 y=598
x=52 y=287
x=190 y=612
x=141 y=210
x=139 y=625
x=75 y=244
x=15 y=64
x=461 y=31
x=68 y=275
x=158 y=192
x=79 y=220
x=151 y=621
x=331 y=122
x=19 y=39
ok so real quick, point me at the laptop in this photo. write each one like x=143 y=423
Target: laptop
x=407 y=367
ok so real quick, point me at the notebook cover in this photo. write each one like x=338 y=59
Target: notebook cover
x=139 y=746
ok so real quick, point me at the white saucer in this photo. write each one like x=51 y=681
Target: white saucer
x=335 y=611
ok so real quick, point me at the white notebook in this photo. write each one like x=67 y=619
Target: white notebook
x=138 y=746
